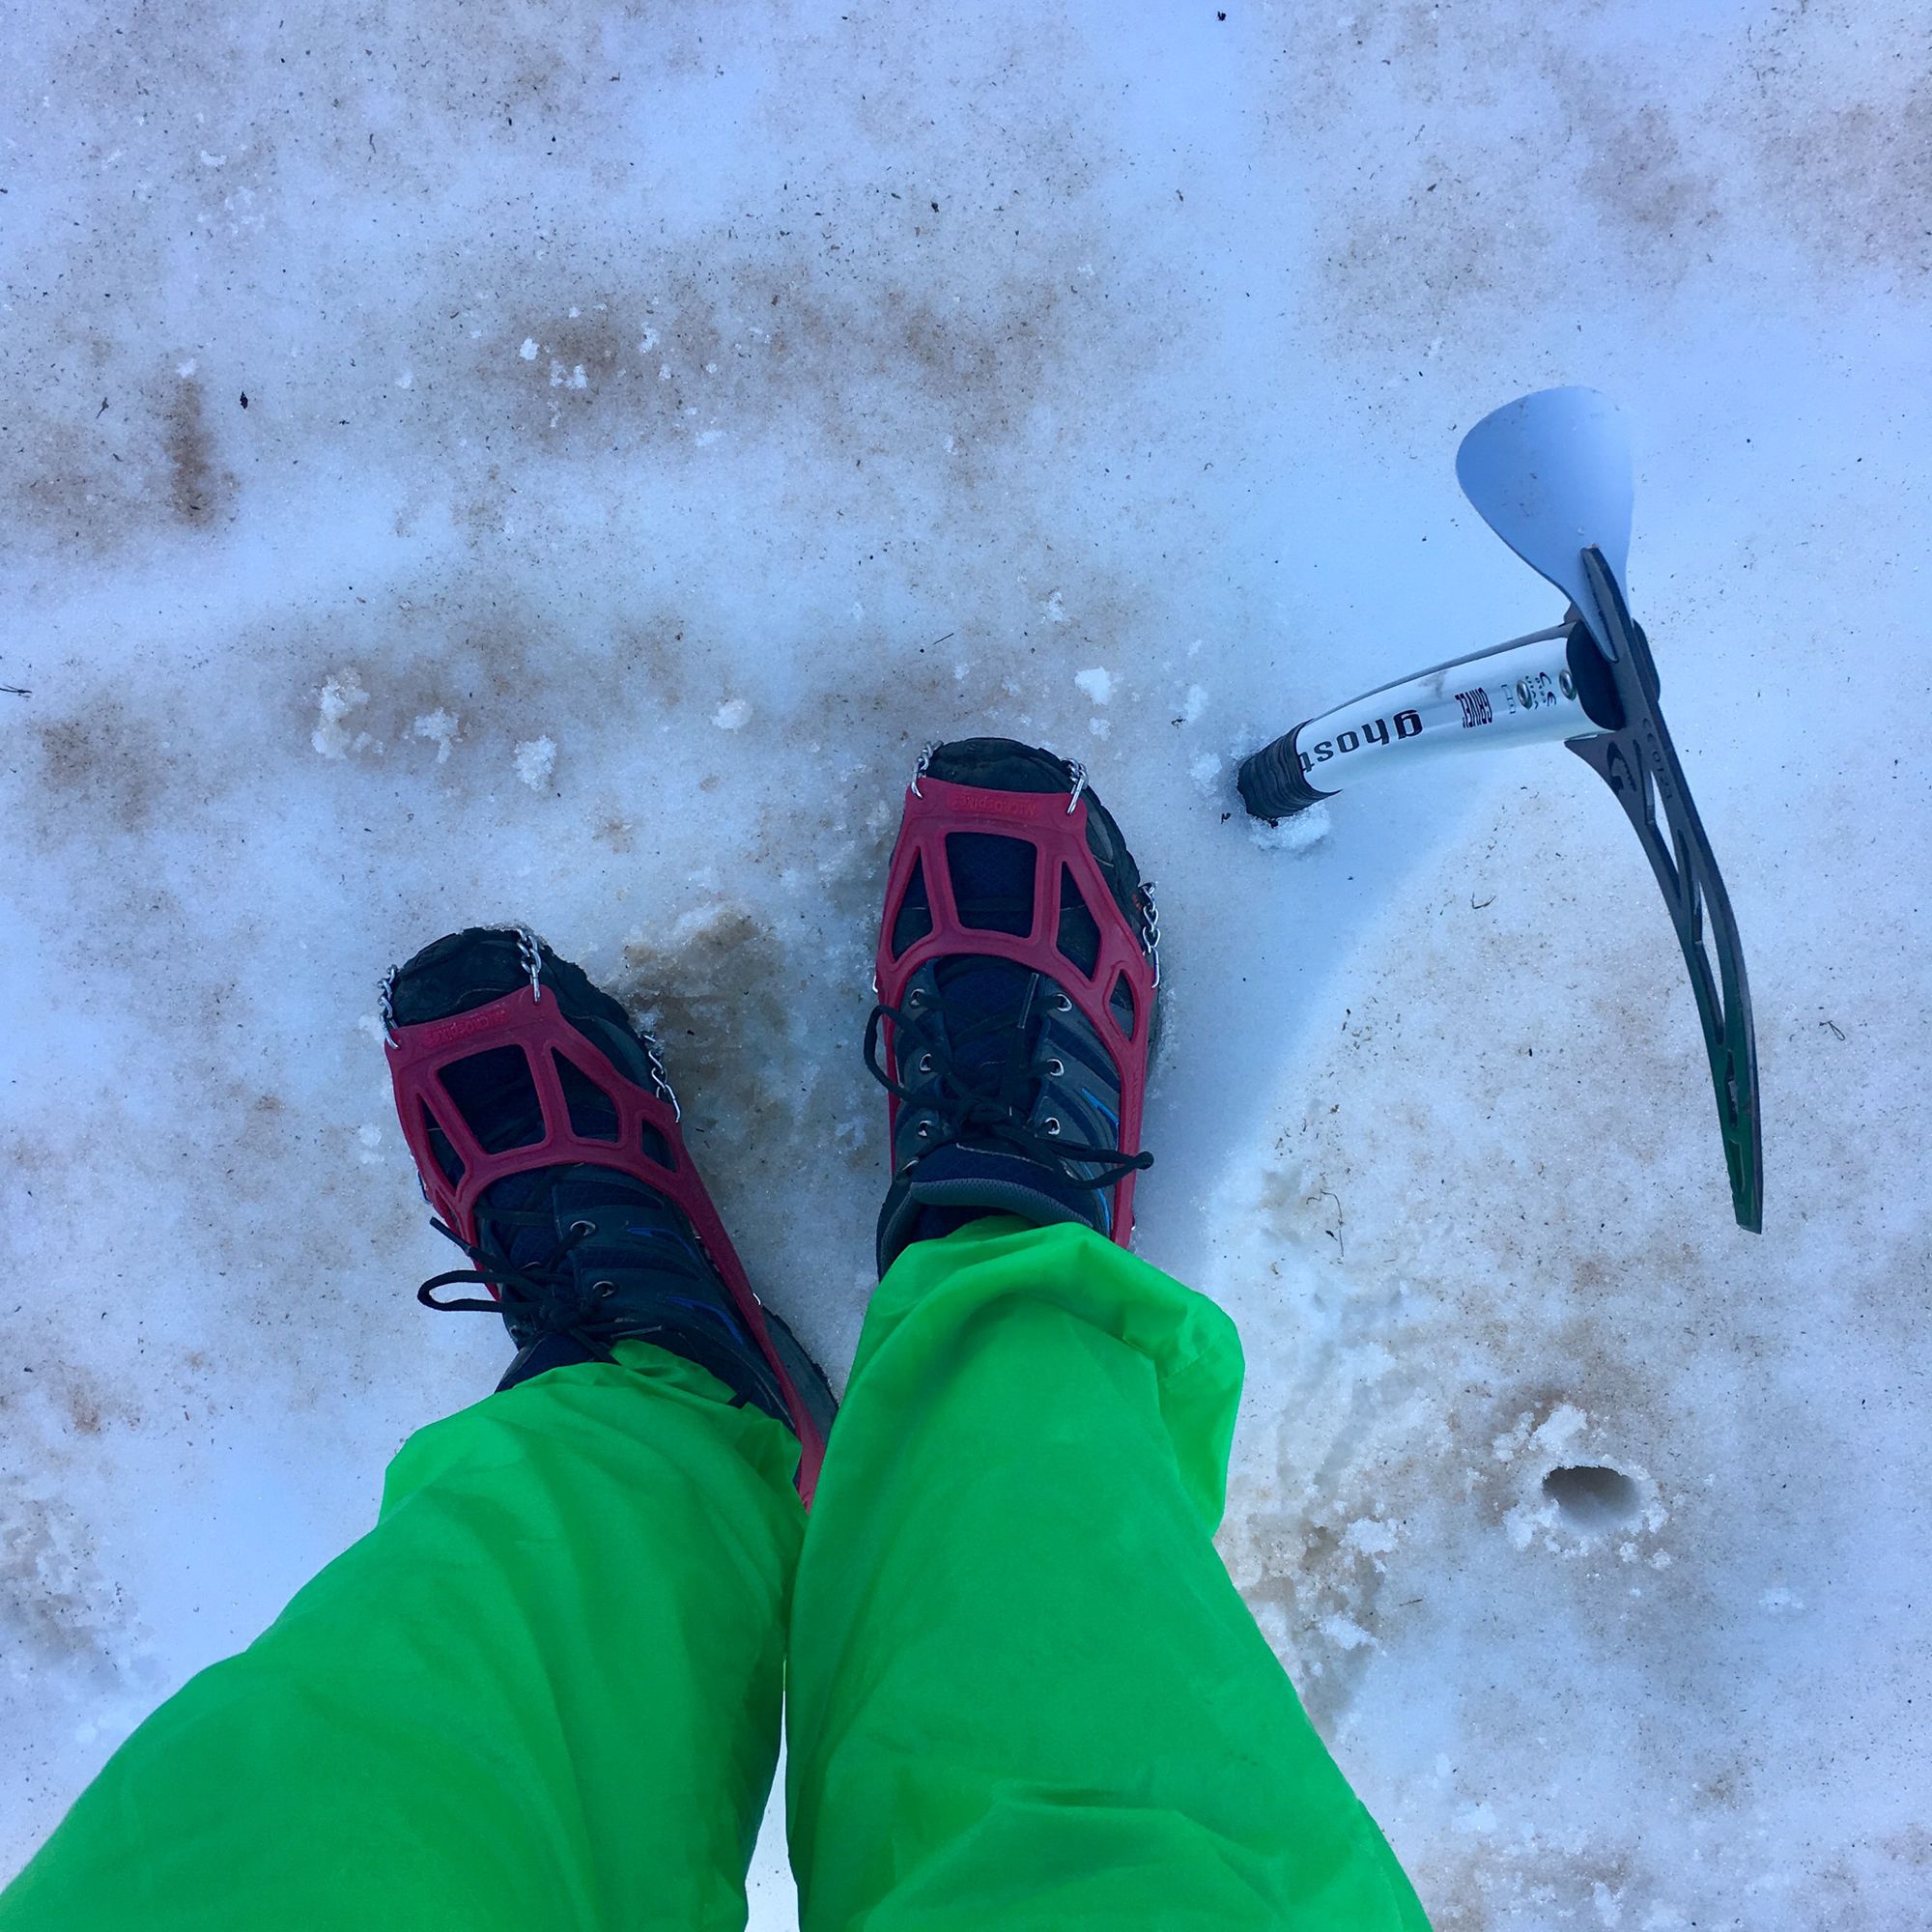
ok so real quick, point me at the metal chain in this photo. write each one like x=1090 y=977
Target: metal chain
x=1150 y=928
x=385 y=1005
x=529 y=949
x=1077 y=772
x=659 y=1079
x=918 y=768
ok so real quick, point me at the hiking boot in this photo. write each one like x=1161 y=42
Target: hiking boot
x=546 y=1138
x=1017 y=971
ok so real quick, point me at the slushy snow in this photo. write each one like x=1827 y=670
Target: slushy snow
x=768 y=366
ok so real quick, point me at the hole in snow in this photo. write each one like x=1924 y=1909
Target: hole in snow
x=1593 y=1497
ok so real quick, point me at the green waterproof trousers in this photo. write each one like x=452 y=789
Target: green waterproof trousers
x=545 y=1691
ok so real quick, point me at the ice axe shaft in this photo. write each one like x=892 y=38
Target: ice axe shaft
x=1519 y=693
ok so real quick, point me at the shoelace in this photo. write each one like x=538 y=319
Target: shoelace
x=995 y=1109
x=694 y=1328
x=541 y=1291
x=539 y=1287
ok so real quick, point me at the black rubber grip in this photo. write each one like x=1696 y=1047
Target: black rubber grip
x=1271 y=781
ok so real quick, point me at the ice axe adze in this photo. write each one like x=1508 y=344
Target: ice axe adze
x=1550 y=474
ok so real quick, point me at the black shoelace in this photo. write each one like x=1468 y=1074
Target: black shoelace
x=544 y=1289
x=989 y=1101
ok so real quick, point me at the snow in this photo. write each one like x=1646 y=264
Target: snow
x=1163 y=393
x=440 y=728
x=535 y=760
x=341 y=697
x=1308 y=827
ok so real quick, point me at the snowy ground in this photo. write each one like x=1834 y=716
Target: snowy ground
x=561 y=461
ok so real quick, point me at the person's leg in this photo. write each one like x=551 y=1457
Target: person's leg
x=542 y=1692
x=1023 y=1690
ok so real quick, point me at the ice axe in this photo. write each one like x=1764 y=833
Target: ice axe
x=1550 y=473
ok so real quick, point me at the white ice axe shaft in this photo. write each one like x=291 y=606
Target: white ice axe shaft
x=1519 y=693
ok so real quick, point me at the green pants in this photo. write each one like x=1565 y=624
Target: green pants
x=545 y=1691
